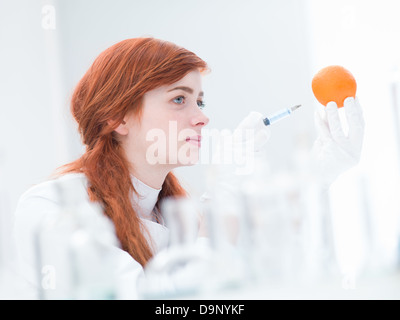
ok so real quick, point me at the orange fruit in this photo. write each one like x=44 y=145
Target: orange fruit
x=333 y=83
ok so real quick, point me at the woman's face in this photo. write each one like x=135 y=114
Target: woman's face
x=169 y=130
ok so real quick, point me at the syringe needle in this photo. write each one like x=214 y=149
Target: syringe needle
x=295 y=107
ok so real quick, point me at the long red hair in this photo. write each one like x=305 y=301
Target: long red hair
x=113 y=86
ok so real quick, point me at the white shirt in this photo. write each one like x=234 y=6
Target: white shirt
x=41 y=204
x=146 y=199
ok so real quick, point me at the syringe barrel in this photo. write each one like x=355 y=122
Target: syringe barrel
x=277 y=116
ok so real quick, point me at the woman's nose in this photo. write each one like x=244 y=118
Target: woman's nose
x=200 y=118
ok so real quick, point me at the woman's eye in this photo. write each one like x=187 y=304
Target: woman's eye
x=179 y=99
x=201 y=104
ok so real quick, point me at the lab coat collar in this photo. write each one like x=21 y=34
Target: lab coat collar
x=147 y=199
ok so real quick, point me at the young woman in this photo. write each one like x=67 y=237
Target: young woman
x=138 y=108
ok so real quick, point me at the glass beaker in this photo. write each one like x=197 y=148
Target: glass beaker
x=181 y=268
x=72 y=248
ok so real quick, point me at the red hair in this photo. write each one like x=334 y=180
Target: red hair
x=113 y=86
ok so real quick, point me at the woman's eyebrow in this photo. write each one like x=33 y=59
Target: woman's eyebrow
x=187 y=89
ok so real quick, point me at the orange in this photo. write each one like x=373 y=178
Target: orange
x=333 y=83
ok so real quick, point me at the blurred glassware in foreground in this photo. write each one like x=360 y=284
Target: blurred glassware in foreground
x=71 y=249
x=262 y=228
x=183 y=267
x=278 y=223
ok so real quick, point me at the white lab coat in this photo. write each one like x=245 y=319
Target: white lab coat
x=41 y=202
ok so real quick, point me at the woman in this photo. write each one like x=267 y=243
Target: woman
x=138 y=108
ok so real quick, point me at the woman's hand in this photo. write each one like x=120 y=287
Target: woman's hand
x=235 y=151
x=333 y=151
x=252 y=130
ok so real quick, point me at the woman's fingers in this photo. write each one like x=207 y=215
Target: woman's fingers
x=354 y=115
x=335 y=126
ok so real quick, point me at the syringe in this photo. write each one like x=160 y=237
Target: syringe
x=280 y=115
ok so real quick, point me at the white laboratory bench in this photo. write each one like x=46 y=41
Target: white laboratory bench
x=377 y=287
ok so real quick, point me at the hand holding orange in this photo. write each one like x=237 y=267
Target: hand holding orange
x=334 y=83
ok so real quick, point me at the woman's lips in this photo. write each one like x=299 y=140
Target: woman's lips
x=196 y=140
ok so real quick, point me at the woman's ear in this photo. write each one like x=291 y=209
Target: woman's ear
x=122 y=128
